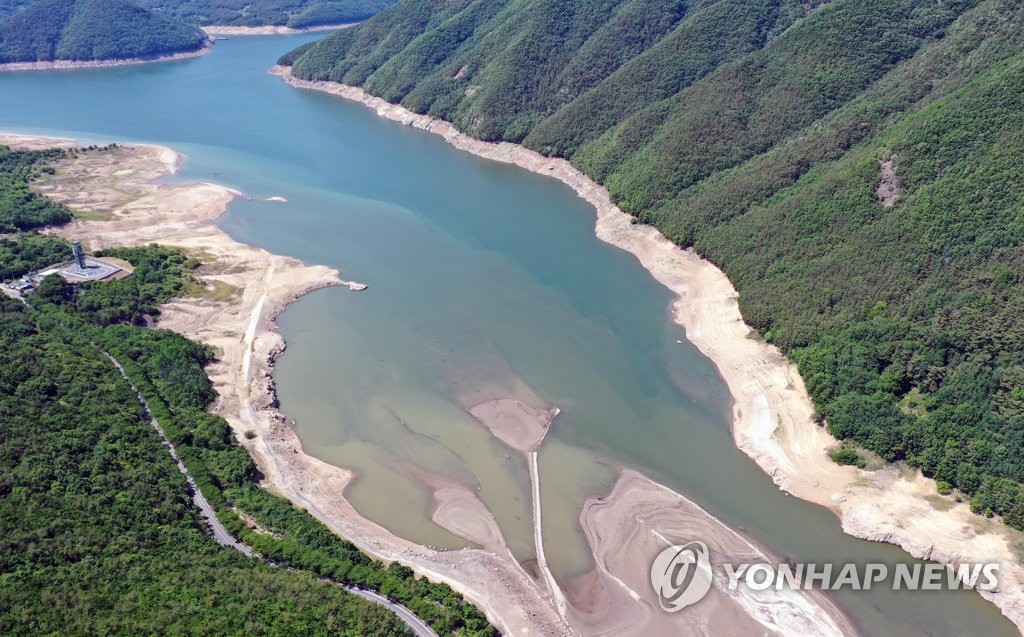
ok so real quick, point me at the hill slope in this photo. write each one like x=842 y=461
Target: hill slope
x=855 y=169
x=297 y=14
x=88 y=30
x=10 y=7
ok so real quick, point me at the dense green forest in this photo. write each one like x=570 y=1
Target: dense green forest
x=28 y=252
x=20 y=208
x=10 y=7
x=759 y=133
x=297 y=14
x=98 y=534
x=168 y=369
x=337 y=12
x=87 y=30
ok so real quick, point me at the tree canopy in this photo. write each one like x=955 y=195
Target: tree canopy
x=87 y=30
x=297 y=14
x=759 y=133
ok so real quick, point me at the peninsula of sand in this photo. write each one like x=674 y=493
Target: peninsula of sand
x=772 y=412
x=119 y=202
x=98 y=64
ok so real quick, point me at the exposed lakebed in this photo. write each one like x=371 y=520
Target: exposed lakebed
x=486 y=282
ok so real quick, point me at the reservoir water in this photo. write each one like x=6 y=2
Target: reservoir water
x=485 y=281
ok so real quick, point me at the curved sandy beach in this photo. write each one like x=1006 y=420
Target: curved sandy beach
x=246 y=288
x=772 y=413
x=99 y=64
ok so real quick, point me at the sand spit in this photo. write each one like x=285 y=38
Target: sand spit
x=458 y=509
x=99 y=64
x=772 y=412
x=246 y=288
x=515 y=423
x=523 y=428
x=635 y=522
x=273 y=30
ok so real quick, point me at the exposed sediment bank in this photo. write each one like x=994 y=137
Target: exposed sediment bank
x=245 y=289
x=772 y=412
x=515 y=423
x=458 y=509
x=99 y=64
x=616 y=597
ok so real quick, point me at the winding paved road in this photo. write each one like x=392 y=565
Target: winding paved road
x=220 y=533
x=406 y=615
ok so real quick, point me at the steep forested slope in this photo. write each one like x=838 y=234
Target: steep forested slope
x=855 y=167
x=87 y=30
x=10 y=7
x=297 y=14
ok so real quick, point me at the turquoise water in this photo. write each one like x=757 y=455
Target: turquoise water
x=484 y=281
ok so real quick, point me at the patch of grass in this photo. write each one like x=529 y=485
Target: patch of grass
x=211 y=289
x=938 y=502
x=91 y=215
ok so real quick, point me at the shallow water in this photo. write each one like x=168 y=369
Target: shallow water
x=485 y=281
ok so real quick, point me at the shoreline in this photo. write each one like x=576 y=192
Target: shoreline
x=242 y=329
x=121 y=184
x=102 y=64
x=772 y=412
x=215 y=29
x=620 y=530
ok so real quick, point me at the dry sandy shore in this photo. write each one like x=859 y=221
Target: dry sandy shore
x=98 y=64
x=515 y=423
x=639 y=519
x=273 y=30
x=245 y=288
x=772 y=412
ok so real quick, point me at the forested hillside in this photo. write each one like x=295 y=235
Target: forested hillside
x=86 y=30
x=854 y=166
x=98 y=534
x=297 y=14
x=9 y=7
